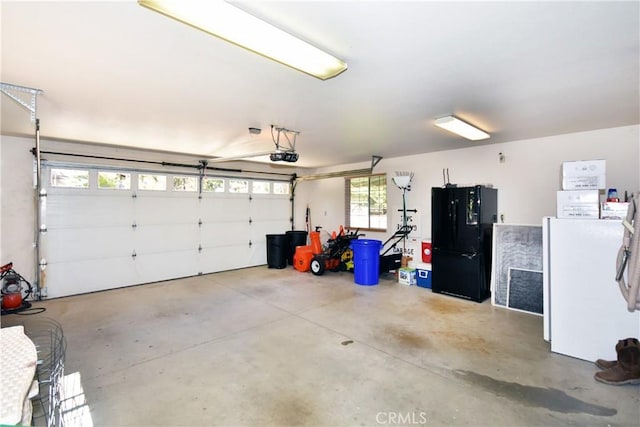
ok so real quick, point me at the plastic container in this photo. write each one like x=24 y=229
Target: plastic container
x=426 y=251
x=366 y=261
x=423 y=276
x=276 y=250
x=294 y=239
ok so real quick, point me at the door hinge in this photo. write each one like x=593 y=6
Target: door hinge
x=134 y=255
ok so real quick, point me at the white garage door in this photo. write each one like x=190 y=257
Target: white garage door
x=113 y=228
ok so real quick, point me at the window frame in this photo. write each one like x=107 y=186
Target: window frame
x=128 y=180
x=140 y=180
x=56 y=182
x=348 y=197
x=187 y=179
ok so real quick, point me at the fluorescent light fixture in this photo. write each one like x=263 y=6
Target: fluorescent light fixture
x=464 y=129
x=229 y=23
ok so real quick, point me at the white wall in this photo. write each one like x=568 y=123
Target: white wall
x=17 y=195
x=527 y=182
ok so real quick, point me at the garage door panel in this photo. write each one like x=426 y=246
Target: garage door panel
x=82 y=276
x=66 y=245
x=167 y=237
x=258 y=253
x=88 y=210
x=220 y=210
x=270 y=208
x=167 y=209
x=155 y=267
x=223 y=234
x=224 y=258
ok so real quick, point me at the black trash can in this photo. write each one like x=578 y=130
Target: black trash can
x=276 y=250
x=294 y=239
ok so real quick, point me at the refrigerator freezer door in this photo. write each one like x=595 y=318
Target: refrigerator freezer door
x=459 y=274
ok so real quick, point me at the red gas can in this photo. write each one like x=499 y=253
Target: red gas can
x=426 y=252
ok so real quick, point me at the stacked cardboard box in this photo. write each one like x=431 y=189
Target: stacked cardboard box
x=614 y=210
x=581 y=185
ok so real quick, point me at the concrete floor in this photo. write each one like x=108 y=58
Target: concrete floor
x=277 y=347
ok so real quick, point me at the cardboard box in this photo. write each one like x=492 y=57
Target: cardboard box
x=578 y=204
x=407 y=276
x=614 y=210
x=584 y=175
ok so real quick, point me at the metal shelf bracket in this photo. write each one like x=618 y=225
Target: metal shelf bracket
x=13 y=91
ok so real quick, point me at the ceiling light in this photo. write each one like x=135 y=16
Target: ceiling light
x=457 y=126
x=238 y=27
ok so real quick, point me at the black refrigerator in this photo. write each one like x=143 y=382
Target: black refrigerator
x=462 y=221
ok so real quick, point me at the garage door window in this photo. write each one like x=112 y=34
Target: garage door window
x=69 y=178
x=260 y=187
x=280 y=188
x=213 y=185
x=152 y=182
x=185 y=183
x=114 y=180
x=238 y=186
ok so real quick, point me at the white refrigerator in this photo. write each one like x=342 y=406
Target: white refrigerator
x=584 y=312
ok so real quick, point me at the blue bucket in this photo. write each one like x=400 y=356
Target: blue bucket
x=366 y=261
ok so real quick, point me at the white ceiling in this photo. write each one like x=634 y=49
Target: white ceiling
x=117 y=73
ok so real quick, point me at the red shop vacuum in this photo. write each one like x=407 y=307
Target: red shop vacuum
x=15 y=290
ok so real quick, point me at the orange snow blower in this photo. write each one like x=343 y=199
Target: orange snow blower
x=318 y=259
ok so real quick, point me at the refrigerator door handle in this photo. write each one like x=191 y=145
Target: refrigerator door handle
x=454 y=218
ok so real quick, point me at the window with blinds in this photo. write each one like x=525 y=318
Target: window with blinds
x=366 y=202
